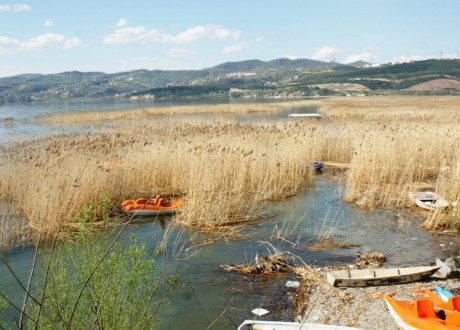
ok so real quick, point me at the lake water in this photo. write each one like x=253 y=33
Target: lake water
x=207 y=292
x=17 y=119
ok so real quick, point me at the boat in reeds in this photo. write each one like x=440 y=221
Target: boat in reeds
x=379 y=276
x=275 y=325
x=156 y=206
x=420 y=313
x=318 y=165
x=429 y=200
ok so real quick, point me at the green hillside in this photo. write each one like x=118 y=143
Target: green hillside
x=285 y=77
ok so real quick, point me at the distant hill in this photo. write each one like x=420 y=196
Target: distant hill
x=279 y=77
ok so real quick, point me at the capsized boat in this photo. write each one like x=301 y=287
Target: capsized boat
x=429 y=200
x=379 y=276
x=156 y=206
x=420 y=313
x=276 y=325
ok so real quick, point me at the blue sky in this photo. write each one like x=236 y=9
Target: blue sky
x=51 y=36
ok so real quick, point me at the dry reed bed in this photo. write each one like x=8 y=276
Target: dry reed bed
x=401 y=144
x=226 y=168
x=162 y=111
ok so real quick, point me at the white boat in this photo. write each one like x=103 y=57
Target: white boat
x=308 y=115
x=429 y=200
x=274 y=325
x=379 y=276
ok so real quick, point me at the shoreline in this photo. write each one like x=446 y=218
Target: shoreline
x=357 y=307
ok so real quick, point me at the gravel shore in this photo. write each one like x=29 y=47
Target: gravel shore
x=319 y=302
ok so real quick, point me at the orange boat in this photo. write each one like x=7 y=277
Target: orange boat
x=451 y=304
x=420 y=314
x=157 y=206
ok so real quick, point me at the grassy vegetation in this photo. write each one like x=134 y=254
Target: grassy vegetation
x=226 y=168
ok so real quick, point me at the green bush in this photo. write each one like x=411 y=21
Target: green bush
x=86 y=288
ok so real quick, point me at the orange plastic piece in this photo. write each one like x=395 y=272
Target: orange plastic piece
x=424 y=307
x=420 y=314
x=452 y=304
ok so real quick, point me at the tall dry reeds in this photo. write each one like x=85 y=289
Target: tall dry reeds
x=172 y=110
x=400 y=144
x=226 y=168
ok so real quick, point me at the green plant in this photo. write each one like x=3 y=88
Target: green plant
x=122 y=291
x=90 y=213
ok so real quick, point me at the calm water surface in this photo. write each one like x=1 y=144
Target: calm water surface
x=17 y=119
x=207 y=293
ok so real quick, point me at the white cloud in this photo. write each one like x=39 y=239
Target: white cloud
x=15 y=7
x=142 y=35
x=451 y=56
x=259 y=40
x=234 y=48
x=366 y=57
x=179 y=52
x=10 y=45
x=200 y=32
x=71 y=43
x=325 y=54
x=122 y=22
x=49 y=23
x=407 y=58
x=137 y=34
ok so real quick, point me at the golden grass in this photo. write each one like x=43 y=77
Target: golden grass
x=327 y=244
x=224 y=168
x=227 y=169
x=162 y=111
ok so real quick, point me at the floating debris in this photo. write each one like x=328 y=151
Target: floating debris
x=260 y=311
x=273 y=263
x=292 y=284
x=331 y=244
x=265 y=265
x=370 y=259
